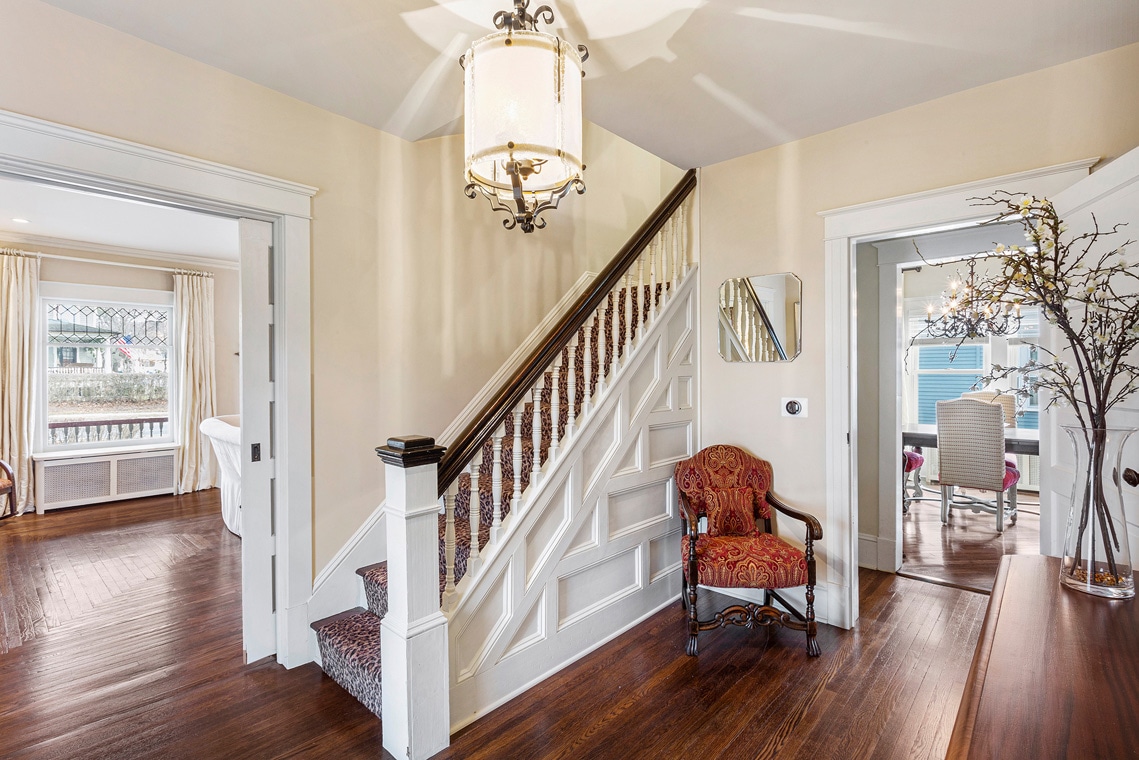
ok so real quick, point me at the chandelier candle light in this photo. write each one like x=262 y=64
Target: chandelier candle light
x=971 y=313
x=523 y=117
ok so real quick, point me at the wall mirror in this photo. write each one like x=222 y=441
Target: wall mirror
x=761 y=318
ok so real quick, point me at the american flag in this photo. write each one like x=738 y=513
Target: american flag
x=123 y=343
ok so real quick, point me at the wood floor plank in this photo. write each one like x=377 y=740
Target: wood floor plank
x=133 y=650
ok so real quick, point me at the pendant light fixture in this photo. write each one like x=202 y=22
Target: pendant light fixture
x=523 y=117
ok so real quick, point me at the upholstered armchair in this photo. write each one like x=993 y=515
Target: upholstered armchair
x=732 y=490
x=7 y=490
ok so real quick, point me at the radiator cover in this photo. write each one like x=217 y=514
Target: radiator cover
x=91 y=478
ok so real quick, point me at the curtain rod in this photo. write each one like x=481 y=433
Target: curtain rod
x=171 y=270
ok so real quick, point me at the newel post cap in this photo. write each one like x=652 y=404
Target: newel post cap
x=410 y=451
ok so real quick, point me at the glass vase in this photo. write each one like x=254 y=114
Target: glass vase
x=1097 y=558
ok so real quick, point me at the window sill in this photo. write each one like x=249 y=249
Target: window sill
x=101 y=451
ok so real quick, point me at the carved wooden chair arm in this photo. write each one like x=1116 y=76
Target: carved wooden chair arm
x=4 y=466
x=689 y=515
x=814 y=528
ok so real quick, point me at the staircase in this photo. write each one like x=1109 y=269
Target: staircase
x=519 y=454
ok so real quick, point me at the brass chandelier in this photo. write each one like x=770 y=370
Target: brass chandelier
x=523 y=117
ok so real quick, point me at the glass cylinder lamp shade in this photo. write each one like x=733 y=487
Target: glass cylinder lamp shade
x=523 y=123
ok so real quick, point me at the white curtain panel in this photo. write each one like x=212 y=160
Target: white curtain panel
x=197 y=395
x=19 y=294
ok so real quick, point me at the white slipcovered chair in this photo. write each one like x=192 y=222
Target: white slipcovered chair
x=225 y=436
x=971 y=453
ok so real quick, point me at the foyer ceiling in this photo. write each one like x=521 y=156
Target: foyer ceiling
x=693 y=81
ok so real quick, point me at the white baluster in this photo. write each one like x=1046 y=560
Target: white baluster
x=616 y=324
x=555 y=403
x=516 y=497
x=674 y=274
x=496 y=482
x=536 y=439
x=587 y=395
x=602 y=339
x=640 y=294
x=449 y=537
x=630 y=318
x=572 y=368
x=665 y=236
x=684 y=241
x=652 y=280
x=475 y=508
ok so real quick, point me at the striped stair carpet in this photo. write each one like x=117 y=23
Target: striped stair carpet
x=350 y=641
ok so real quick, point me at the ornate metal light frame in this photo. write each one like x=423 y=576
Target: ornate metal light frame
x=966 y=314
x=523 y=132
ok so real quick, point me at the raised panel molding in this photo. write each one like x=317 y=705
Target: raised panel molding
x=664 y=555
x=600 y=544
x=669 y=443
x=638 y=508
x=592 y=589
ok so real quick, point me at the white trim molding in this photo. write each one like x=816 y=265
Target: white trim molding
x=844 y=228
x=49 y=153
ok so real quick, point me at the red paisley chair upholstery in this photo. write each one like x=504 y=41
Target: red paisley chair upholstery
x=7 y=490
x=732 y=489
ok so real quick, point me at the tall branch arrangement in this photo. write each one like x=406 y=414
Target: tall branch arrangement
x=1086 y=291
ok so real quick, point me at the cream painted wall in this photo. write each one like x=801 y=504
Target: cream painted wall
x=760 y=214
x=418 y=294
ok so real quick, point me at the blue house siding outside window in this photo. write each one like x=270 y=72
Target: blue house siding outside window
x=940 y=379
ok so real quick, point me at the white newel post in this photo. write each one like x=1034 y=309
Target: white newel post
x=413 y=640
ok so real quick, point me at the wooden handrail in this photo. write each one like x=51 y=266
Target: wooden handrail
x=471 y=439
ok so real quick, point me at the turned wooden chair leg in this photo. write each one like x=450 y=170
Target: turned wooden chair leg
x=693 y=622
x=812 y=628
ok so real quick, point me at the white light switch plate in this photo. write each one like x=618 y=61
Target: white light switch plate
x=802 y=402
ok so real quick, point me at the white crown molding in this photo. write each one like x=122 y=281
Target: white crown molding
x=57 y=154
x=181 y=259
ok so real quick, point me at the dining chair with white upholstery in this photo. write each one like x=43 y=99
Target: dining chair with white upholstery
x=1006 y=401
x=971 y=453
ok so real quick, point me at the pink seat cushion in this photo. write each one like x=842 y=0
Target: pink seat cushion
x=1012 y=475
x=757 y=561
x=913 y=460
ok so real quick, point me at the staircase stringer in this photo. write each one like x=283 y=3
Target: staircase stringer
x=595 y=547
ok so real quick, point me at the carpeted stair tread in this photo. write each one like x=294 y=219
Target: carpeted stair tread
x=350 y=652
x=350 y=642
x=375 y=579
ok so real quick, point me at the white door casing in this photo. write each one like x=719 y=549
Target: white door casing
x=258 y=624
x=1111 y=194
x=49 y=153
x=929 y=211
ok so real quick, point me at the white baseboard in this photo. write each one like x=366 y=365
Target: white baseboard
x=868 y=551
x=469 y=719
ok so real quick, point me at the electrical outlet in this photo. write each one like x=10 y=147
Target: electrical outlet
x=794 y=407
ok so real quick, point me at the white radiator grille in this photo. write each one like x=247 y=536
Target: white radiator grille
x=77 y=481
x=90 y=479
x=145 y=474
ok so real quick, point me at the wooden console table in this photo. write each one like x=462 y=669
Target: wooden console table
x=1055 y=673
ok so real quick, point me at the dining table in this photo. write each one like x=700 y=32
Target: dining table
x=1017 y=440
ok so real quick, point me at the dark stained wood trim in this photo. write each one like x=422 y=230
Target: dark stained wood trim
x=462 y=450
x=962 y=735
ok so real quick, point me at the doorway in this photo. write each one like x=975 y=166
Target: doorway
x=51 y=154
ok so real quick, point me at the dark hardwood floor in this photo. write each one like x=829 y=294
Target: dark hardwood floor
x=966 y=552
x=146 y=662
x=135 y=614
